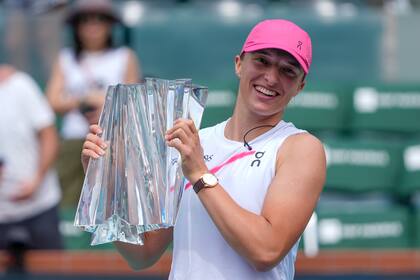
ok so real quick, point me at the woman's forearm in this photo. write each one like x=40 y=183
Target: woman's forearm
x=143 y=256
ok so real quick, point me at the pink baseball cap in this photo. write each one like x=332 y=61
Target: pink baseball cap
x=284 y=35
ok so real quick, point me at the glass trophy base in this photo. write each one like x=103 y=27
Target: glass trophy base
x=117 y=229
x=114 y=229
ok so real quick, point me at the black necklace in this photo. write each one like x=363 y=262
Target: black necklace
x=246 y=144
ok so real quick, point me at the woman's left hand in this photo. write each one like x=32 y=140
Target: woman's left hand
x=184 y=137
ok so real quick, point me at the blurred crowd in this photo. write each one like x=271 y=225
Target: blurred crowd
x=40 y=167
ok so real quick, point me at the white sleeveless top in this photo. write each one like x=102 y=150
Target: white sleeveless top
x=200 y=251
x=94 y=71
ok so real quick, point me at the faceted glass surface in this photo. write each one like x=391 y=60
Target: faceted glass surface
x=138 y=184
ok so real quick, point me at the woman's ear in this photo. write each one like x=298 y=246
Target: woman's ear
x=238 y=66
x=302 y=85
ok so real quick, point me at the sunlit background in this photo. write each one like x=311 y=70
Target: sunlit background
x=362 y=99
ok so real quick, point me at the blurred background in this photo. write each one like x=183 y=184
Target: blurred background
x=362 y=99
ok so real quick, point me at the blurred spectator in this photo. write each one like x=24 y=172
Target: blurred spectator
x=32 y=34
x=29 y=189
x=80 y=77
x=1 y=167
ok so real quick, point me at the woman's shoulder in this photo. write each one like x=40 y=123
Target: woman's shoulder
x=208 y=132
x=66 y=56
x=124 y=50
x=66 y=52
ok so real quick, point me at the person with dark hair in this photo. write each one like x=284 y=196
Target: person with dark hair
x=80 y=77
x=253 y=181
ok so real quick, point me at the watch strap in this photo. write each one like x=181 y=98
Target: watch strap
x=199 y=185
x=207 y=180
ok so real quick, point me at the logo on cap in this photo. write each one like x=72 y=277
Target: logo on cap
x=299 y=45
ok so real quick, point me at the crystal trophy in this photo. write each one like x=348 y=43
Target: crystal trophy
x=138 y=184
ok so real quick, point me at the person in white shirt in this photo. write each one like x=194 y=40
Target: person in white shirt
x=29 y=188
x=253 y=180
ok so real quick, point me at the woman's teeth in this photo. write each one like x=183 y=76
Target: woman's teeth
x=265 y=91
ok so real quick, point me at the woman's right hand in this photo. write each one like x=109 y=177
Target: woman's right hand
x=94 y=146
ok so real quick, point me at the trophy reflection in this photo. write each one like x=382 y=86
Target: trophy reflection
x=138 y=184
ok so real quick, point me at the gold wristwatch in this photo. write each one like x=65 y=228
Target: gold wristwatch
x=208 y=180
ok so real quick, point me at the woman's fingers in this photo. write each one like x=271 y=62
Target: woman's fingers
x=186 y=124
x=94 y=146
x=175 y=143
x=93 y=138
x=180 y=134
x=93 y=150
x=190 y=124
x=95 y=129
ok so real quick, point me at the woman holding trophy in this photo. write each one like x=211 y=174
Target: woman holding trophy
x=253 y=181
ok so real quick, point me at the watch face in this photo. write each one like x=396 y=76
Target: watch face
x=210 y=180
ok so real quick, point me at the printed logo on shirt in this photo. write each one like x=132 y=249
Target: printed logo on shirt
x=174 y=161
x=208 y=158
x=257 y=160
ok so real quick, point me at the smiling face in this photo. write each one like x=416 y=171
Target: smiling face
x=269 y=78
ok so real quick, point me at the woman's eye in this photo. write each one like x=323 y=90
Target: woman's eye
x=262 y=60
x=289 y=71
